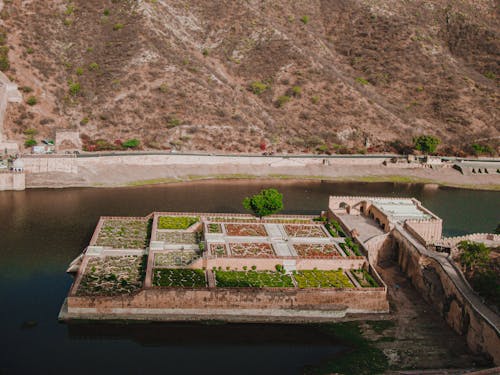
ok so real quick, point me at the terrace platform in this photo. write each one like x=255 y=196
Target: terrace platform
x=193 y=266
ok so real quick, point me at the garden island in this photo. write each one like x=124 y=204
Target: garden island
x=194 y=266
x=182 y=266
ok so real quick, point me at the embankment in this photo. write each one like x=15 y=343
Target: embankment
x=140 y=169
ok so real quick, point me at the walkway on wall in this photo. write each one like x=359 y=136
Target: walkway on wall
x=458 y=279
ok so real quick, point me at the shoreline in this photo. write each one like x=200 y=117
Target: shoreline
x=144 y=170
x=157 y=182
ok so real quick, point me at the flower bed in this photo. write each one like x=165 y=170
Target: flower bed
x=184 y=238
x=230 y=219
x=179 y=278
x=176 y=258
x=304 y=231
x=124 y=234
x=218 y=250
x=252 y=250
x=254 y=279
x=316 y=250
x=112 y=276
x=176 y=222
x=245 y=230
x=364 y=278
x=322 y=279
x=214 y=228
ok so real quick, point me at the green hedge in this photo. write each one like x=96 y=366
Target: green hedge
x=322 y=279
x=254 y=279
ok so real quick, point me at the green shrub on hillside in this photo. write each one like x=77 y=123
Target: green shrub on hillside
x=131 y=143
x=426 y=143
x=258 y=87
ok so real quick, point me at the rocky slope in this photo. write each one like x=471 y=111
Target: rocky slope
x=336 y=76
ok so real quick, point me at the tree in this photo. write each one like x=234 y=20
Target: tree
x=474 y=255
x=267 y=202
x=497 y=231
x=426 y=143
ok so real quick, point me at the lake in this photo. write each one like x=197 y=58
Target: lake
x=41 y=231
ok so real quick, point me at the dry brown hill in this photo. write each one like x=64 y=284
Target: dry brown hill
x=301 y=75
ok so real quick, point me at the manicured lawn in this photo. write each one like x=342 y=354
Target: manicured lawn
x=322 y=279
x=255 y=279
x=179 y=278
x=176 y=222
x=365 y=279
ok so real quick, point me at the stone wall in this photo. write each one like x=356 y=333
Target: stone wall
x=427 y=231
x=435 y=284
x=12 y=181
x=357 y=300
x=47 y=164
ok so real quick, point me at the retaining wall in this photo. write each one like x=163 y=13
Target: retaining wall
x=12 y=181
x=442 y=286
x=357 y=300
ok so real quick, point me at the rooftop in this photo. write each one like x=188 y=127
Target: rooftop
x=400 y=209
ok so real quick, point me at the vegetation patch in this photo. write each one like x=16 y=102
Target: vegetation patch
x=218 y=250
x=185 y=238
x=124 y=234
x=186 y=278
x=482 y=270
x=176 y=258
x=322 y=279
x=316 y=250
x=364 y=278
x=252 y=250
x=253 y=279
x=112 y=276
x=176 y=222
x=214 y=228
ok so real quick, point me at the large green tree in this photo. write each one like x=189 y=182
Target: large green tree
x=267 y=202
x=426 y=143
x=473 y=255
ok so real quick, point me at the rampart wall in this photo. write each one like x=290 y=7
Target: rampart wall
x=357 y=300
x=441 y=285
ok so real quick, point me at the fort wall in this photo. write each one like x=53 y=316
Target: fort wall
x=366 y=300
x=439 y=283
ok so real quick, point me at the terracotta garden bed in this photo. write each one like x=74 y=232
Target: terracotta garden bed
x=316 y=250
x=252 y=250
x=245 y=230
x=305 y=231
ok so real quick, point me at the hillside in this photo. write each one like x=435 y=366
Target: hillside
x=316 y=75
